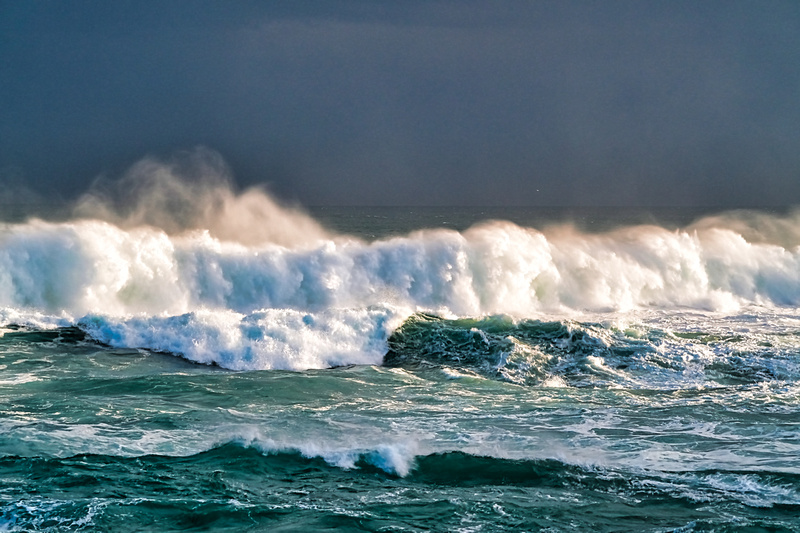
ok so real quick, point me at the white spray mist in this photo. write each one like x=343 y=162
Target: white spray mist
x=195 y=191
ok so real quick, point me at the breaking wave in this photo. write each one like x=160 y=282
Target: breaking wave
x=190 y=266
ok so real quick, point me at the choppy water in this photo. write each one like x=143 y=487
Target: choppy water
x=509 y=376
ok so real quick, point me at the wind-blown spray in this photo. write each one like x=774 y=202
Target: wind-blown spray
x=185 y=264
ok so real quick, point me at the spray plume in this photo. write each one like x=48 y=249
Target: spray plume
x=195 y=191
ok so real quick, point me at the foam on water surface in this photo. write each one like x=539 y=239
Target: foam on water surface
x=204 y=294
x=500 y=376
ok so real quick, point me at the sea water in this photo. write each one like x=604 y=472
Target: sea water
x=402 y=369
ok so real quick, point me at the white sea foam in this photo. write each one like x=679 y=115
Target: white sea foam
x=223 y=302
x=91 y=266
x=298 y=298
x=272 y=338
x=395 y=455
x=391 y=456
x=751 y=489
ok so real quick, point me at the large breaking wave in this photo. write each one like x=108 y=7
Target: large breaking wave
x=194 y=268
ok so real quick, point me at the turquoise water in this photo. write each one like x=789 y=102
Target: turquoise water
x=500 y=378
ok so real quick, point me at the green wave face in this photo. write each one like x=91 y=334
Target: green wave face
x=232 y=488
x=579 y=354
x=496 y=423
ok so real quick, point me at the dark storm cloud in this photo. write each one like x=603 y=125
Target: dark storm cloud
x=537 y=103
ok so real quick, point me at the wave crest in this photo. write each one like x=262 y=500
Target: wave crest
x=173 y=248
x=91 y=266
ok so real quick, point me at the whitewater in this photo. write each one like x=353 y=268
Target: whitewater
x=177 y=354
x=336 y=301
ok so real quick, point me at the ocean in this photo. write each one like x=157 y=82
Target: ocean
x=400 y=370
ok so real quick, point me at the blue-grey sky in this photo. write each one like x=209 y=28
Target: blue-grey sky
x=644 y=103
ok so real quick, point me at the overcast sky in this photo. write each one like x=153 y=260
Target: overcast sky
x=644 y=103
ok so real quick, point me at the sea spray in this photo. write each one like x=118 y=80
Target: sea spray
x=87 y=267
x=195 y=190
x=173 y=257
